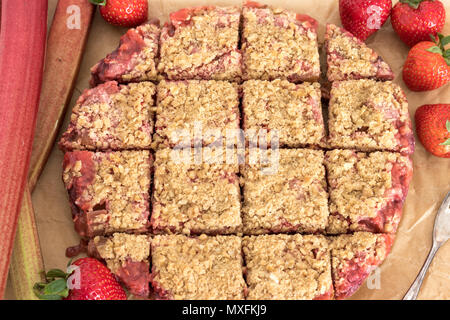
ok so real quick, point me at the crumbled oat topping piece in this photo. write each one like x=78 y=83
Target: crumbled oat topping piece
x=354 y=257
x=197 y=268
x=288 y=267
x=121 y=248
x=186 y=107
x=349 y=58
x=195 y=198
x=108 y=191
x=110 y=116
x=286 y=194
x=201 y=43
x=294 y=111
x=367 y=191
x=277 y=43
x=368 y=115
x=134 y=60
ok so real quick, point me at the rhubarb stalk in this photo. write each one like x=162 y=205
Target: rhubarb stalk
x=22 y=48
x=65 y=46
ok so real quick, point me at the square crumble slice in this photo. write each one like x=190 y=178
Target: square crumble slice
x=187 y=110
x=367 y=191
x=195 y=198
x=349 y=58
x=112 y=116
x=134 y=60
x=277 y=43
x=109 y=191
x=200 y=268
x=127 y=256
x=368 y=115
x=293 y=110
x=354 y=257
x=287 y=194
x=201 y=43
x=288 y=267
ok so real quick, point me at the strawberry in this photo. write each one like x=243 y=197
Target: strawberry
x=364 y=17
x=415 y=20
x=124 y=13
x=433 y=128
x=86 y=279
x=427 y=65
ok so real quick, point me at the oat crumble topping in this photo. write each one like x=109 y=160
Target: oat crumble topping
x=361 y=185
x=276 y=44
x=134 y=60
x=294 y=199
x=295 y=111
x=111 y=188
x=349 y=58
x=198 y=268
x=110 y=116
x=121 y=248
x=354 y=257
x=183 y=105
x=201 y=43
x=287 y=267
x=195 y=198
x=369 y=115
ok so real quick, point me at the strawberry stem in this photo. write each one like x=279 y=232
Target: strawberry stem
x=54 y=287
x=439 y=48
x=446 y=142
x=98 y=2
x=413 y=3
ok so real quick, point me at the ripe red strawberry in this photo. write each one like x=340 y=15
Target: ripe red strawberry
x=415 y=20
x=89 y=280
x=433 y=128
x=364 y=17
x=124 y=13
x=427 y=65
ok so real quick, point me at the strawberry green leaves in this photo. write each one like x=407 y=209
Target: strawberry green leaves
x=446 y=142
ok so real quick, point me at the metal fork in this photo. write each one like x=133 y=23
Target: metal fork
x=441 y=233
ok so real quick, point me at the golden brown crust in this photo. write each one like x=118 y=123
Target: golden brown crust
x=195 y=198
x=112 y=117
x=202 y=45
x=197 y=268
x=277 y=45
x=294 y=111
x=368 y=115
x=287 y=267
x=292 y=198
x=366 y=190
x=188 y=105
x=349 y=58
x=112 y=188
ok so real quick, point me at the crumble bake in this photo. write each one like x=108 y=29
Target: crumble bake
x=349 y=58
x=108 y=191
x=199 y=268
x=127 y=256
x=201 y=43
x=293 y=110
x=134 y=60
x=368 y=115
x=290 y=197
x=192 y=198
x=367 y=191
x=195 y=112
x=277 y=43
x=198 y=250
x=111 y=116
x=286 y=267
x=354 y=257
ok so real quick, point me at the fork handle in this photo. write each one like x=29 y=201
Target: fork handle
x=415 y=287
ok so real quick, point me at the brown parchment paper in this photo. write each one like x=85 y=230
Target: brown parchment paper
x=431 y=174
